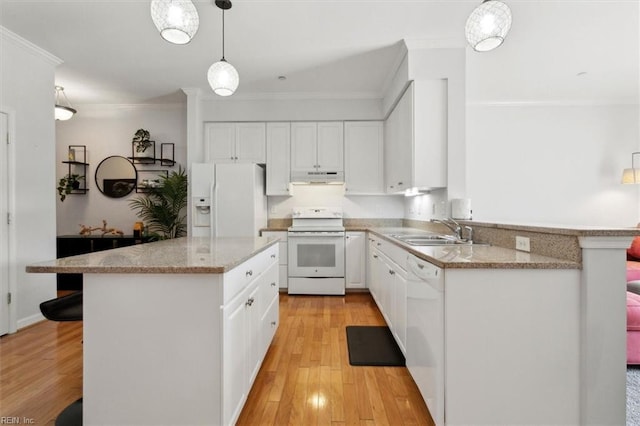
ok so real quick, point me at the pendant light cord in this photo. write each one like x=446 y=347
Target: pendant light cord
x=223 y=34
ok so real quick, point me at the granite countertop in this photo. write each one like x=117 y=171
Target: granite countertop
x=177 y=256
x=474 y=256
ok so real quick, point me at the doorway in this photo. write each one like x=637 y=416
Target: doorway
x=4 y=223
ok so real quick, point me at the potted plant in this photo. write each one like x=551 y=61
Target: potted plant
x=67 y=184
x=162 y=208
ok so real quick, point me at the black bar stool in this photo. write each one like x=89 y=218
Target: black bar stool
x=66 y=308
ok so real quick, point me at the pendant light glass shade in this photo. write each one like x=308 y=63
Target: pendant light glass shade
x=632 y=175
x=488 y=25
x=177 y=20
x=63 y=110
x=223 y=78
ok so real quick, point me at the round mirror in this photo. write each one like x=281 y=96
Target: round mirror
x=116 y=176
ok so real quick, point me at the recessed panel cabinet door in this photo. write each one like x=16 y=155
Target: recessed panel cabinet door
x=250 y=142
x=219 y=142
x=363 y=157
x=330 y=146
x=304 y=147
x=278 y=163
x=355 y=260
x=234 y=362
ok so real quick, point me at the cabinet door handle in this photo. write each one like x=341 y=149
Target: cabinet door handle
x=248 y=273
x=250 y=301
x=399 y=183
x=375 y=256
x=420 y=265
x=273 y=284
x=273 y=323
x=392 y=272
x=230 y=158
x=273 y=256
x=379 y=244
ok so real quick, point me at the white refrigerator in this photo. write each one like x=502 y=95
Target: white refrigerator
x=228 y=200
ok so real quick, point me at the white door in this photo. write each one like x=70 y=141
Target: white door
x=355 y=260
x=278 y=151
x=250 y=142
x=363 y=157
x=4 y=226
x=304 y=147
x=219 y=143
x=331 y=146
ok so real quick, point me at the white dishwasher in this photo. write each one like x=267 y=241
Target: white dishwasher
x=425 y=332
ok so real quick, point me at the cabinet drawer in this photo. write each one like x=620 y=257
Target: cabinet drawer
x=268 y=287
x=240 y=276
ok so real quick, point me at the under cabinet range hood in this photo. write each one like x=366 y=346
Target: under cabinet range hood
x=317 y=177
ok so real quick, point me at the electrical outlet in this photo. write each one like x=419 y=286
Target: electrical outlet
x=522 y=244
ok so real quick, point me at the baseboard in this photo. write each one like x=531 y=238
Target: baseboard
x=30 y=320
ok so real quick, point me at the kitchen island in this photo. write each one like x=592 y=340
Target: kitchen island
x=174 y=331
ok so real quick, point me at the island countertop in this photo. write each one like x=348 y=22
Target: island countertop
x=178 y=256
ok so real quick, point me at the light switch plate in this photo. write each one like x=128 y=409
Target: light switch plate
x=522 y=244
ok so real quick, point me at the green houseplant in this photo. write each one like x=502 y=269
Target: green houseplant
x=67 y=184
x=162 y=208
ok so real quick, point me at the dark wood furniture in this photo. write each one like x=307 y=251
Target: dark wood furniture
x=71 y=245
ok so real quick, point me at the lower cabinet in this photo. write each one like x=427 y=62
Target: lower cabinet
x=388 y=286
x=282 y=246
x=355 y=260
x=249 y=322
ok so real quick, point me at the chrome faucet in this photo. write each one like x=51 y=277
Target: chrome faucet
x=456 y=228
x=452 y=225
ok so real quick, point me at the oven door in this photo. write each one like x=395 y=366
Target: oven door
x=316 y=254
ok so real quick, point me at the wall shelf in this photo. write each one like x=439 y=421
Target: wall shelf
x=77 y=162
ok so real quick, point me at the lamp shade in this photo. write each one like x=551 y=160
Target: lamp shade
x=177 y=20
x=223 y=78
x=63 y=110
x=631 y=176
x=488 y=25
x=64 y=113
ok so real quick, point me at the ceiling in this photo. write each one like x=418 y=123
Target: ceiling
x=112 y=52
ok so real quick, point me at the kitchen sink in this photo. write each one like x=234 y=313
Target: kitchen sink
x=429 y=239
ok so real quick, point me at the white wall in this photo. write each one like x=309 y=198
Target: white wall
x=360 y=207
x=107 y=130
x=552 y=163
x=27 y=94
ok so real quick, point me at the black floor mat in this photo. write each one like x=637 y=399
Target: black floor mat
x=373 y=345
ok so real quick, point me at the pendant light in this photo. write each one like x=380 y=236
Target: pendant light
x=632 y=175
x=63 y=112
x=488 y=25
x=223 y=77
x=177 y=20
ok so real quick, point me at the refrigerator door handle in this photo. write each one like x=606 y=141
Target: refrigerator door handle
x=214 y=205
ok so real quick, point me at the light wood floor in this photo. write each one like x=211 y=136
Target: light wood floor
x=305 y=379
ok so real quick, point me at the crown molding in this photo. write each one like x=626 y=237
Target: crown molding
x=293 y=96
x=26 y=45
x=538 y=103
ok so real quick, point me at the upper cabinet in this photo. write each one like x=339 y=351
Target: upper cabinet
x=317 y=147
x=363 y=157
x=235 y=142
x=416 y=138
x=278 y=164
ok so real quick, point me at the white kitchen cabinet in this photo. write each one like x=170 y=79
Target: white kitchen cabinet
x=235 y=142
x=416 y=138
x=317 y=147
x=283 y=255
x=278 y=158
x=390 y=286
x=247 y=328
x=364 y=157
x=355 y=260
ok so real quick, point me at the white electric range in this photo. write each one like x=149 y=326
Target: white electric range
x=316 y=243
